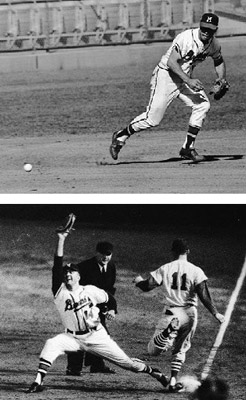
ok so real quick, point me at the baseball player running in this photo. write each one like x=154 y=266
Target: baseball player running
x=77 y=306
x=172 y=78
x=182 y=282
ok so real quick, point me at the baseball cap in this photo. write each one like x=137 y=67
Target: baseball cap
x=70 y=267
x=180 y=246
x=105 y=248
x=209 y=20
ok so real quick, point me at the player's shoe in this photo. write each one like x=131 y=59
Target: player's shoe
x=158 y=375
x=116 y=145
x=191 y=154
x=174 y=386
x=35 y=388
x=177 y=388
x=172 y=330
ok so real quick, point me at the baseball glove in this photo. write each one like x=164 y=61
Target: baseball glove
x=219 y=88
x=67 y=226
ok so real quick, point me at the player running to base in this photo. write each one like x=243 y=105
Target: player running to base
x=182 y=283
x=172 y=78
x=77 y=306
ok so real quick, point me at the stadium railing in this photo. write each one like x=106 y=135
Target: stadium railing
x=43 y=25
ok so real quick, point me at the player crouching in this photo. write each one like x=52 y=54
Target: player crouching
x=77 y=306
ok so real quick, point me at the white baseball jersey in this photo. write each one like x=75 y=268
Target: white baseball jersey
x=178 y=279
x=77 y=309
x=192 y=50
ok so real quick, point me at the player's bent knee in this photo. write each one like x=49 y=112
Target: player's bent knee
x=153 y=350
x=205 y=106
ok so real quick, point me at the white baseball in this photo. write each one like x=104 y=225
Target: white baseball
x=27 y=167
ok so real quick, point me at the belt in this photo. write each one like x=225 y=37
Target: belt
x=80 y=332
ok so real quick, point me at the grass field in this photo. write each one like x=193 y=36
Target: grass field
x=62 y=123
x=28 y=315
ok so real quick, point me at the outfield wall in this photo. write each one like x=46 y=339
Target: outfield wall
x=98 y=57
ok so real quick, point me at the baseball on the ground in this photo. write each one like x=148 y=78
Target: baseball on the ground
x=27 y=167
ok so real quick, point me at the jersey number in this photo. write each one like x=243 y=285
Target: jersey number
x=175 y=282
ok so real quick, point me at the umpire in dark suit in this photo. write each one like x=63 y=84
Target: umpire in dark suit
x=101 y=272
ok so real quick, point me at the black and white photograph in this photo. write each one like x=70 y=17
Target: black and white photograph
x=122 y=301
x=122 y=199
x=113 y=96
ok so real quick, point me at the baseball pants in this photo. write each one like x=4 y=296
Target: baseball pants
x=187 y=317
x=97 y=342
x=164 y=88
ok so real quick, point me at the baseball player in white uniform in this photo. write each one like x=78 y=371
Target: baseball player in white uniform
x=77 y=306
x=182 y=283
x=172 y=78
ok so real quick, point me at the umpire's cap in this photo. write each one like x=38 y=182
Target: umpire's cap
x=209 y=20
x=104 y=248
x=70 y=267
x=180 y=246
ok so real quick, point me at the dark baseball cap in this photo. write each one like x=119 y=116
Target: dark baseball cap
x=180 y=246
x=105 y=248
x=209 y=20
x=70 y=267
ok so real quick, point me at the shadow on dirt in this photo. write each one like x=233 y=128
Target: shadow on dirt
x=230 y=157
x=18 y=387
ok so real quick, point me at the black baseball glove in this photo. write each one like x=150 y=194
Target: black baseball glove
x=219 y=88
x=67 y=226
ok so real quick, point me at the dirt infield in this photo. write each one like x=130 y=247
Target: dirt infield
x=76 y=165
x=28 y=315
x=62 y=123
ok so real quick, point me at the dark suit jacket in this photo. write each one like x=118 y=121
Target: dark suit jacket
x=91 y=275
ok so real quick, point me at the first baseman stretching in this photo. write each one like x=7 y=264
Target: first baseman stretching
x=172 y=78
x=77 y=306
x=182 y=283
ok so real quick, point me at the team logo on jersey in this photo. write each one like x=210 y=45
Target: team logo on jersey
x=195 y=59
x=188 y=56
x=76 y=306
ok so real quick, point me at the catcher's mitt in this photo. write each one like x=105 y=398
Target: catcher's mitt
x=67 y=226
x=219 y=88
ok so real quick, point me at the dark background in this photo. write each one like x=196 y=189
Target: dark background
x=214 y=215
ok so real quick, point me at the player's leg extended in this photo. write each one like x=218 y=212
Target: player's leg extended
x=182 y=344
x=162 y=92
x=200 y=105
x=52 y=349
x=101 y=344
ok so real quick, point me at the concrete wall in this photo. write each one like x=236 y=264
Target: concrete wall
x=99 y=56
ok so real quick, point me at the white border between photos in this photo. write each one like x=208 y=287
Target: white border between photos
x=99 y=198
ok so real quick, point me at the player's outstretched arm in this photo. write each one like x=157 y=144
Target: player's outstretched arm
x=205 y=297
x=59 y=250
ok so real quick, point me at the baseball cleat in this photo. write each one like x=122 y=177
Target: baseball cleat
x=172 y=330
x=177 y=388
x=115 y=146
x=191 y=154
x=163 y=380
x=35 y=388
x=158 y=375
x=174 y=386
